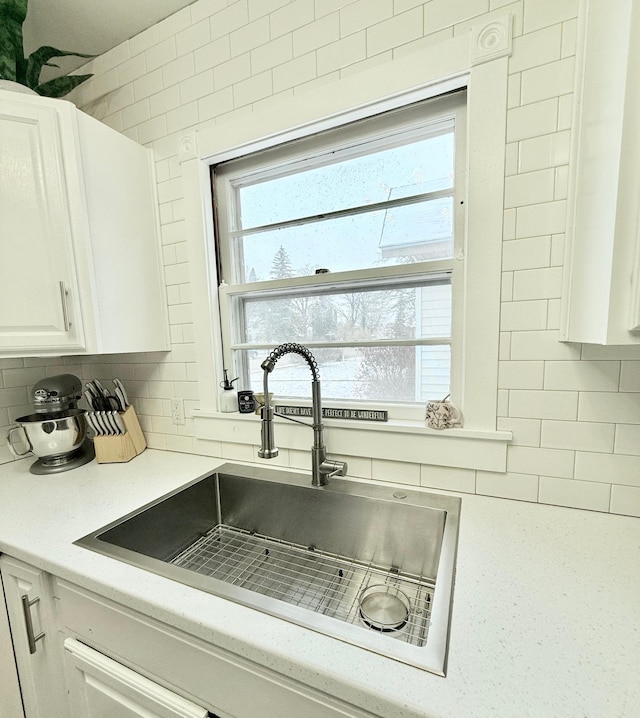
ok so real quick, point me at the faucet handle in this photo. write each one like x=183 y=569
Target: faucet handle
x=330 y=468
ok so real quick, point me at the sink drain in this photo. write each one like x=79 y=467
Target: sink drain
x=384 y=607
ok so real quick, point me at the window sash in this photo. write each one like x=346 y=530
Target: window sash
x=229 y=226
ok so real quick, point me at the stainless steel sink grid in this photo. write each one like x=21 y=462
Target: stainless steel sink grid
x=312 y=579
x=364 y=563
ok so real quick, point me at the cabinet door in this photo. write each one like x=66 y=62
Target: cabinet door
x=38 y=294
x=102 y=688
x=33 y=627
x=10 y=699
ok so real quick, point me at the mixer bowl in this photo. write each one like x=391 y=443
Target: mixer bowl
x=50 y=434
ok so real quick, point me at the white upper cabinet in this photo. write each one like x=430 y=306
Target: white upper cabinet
x=601 y=298
x=80 y=269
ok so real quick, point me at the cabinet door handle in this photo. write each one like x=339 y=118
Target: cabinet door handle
x=65 y=308
x=26 y=609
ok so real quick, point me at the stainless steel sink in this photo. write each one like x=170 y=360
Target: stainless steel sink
x=367 y=564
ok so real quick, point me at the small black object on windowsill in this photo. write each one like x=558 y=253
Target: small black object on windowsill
x=246 y=402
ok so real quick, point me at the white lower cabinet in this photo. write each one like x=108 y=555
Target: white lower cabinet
x=10 y=698
x=102 y=688
x=226 y=684
x=35 y=639
x=80 y=655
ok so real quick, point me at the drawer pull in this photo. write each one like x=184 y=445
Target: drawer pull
x=26 y=608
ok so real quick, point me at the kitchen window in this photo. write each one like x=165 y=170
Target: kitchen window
x=350 y=242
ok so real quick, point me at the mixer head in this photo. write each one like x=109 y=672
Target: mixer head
x=57 y=393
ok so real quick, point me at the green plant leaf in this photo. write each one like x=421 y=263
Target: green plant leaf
x=40 y=57
x=60 y=86
x=10 y=48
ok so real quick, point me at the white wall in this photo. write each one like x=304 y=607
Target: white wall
x=574 y=410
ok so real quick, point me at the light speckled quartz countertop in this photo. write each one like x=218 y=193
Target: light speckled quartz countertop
x=546 y=610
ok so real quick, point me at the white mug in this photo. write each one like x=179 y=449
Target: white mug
x=442 y=414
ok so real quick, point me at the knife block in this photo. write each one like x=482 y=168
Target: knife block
x=122 y=447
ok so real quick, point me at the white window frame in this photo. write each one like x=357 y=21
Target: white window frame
x=398 y=127
x=477 y=61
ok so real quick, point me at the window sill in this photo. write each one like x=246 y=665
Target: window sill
x=409 y=441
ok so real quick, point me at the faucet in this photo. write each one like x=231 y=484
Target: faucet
x=322 y=469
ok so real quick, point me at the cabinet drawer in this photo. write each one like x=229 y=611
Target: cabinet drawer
x=228 y=685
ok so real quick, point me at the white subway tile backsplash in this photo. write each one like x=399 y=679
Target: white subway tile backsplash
x=260 y=8
x=522 y=487
x=537 y=284
x=520 y=374
x=545 y=151
x=136 y=114
x=212 y=54
x=557 y=249
x=300 y=70
x=215 y=104
x=398 y=472
x=198 y=86
x=292 y=16
x=132 y=69
x=394 y=32
x=577 y=494
x=272 y=53
x=513 y=90
x=152 y=129
x=441 y=13
x=630 y=376
x=193 y=37
x=206 y=8
x=546 y=81
x=523 y=315
x=625 y=500
x=178 y=70
x=565 y=112
x=162 y=102
x=610 y=407
x=529 y=253
x=526 y=432
x=536 y=48
x=250 y=36
x=183 y=117
x=543 y=404
x=448 y=479
x=569 y=37
x=342 y=53
x=578 y=435
x=316 y=34
x=358 y=15
x=544 y=13
x=324 y=7
x=232 y=72
x=540 y=219
x=529 y=188
x=539 y=118
x=627 y=439
x=536 y=460
x=616 y=468
x=160 y=54
x=228 y=19
x=143 y=41
x=148 y=84
x=582 y=376
x=253 y=89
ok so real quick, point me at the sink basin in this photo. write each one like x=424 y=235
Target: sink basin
x=367 y=564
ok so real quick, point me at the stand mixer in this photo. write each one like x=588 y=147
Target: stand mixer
x=56 y=432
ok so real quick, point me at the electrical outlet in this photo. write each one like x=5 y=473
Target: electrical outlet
x=177 y=411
